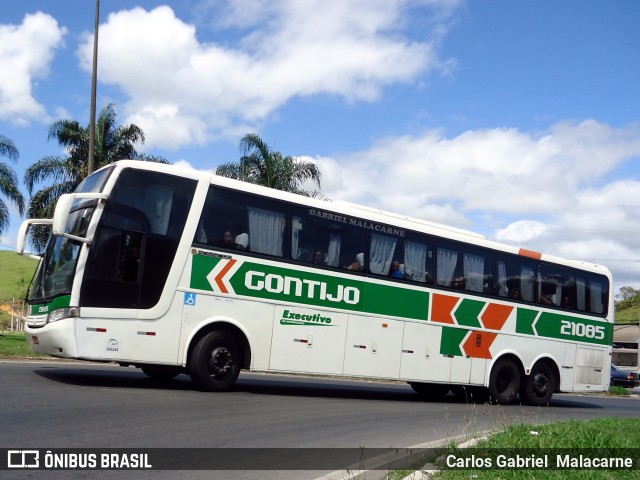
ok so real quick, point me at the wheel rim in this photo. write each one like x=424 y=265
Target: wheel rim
x=221 y=362
x=540 y=385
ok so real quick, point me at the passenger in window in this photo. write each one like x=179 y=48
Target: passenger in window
x=515 y=294
x=548 y=299
x=228 y=240
x=355 y=266
x=458 y=283
x=395 y=270
x=318 y=257
x=358 y=265
x=566 y=302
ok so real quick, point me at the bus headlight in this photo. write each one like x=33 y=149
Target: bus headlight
x=59 y=314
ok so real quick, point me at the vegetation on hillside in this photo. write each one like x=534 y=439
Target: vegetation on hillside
x=628 y=306
x=15 y=276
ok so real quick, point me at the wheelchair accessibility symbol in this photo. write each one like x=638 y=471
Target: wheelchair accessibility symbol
x=190 y=299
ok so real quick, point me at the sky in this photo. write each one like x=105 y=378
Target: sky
x=519 y=120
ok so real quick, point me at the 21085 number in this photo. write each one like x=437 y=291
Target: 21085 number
x=582 y=330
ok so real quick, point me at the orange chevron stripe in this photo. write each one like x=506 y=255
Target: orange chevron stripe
x=442 y=308
x=221 y=275
x=478 y=344
x=495 y=316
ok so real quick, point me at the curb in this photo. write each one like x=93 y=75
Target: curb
x=376 y=472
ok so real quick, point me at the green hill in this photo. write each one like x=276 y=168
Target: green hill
x=628 y=311
x=16 y=272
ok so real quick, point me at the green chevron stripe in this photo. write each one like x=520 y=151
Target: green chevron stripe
x=452 y=340
x=467 y=313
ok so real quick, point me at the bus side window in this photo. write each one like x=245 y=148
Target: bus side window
x=327 y=239
x=448 y=272
x=515 y=278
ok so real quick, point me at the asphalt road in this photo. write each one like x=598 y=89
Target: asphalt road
x=73 y=405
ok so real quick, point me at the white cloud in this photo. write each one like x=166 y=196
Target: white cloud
x=521 y=231
x=26 y=51
x=184 y=164
x=350 y=49
x=558 y=183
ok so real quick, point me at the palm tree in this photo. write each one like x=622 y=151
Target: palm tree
x=9 y=182
x=261 y=165
x=112 y=142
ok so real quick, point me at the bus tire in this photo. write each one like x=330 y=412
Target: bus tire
x=538 y=387
x=504 y=382
x=430 y=391
x=161 y=372
x=215 y=362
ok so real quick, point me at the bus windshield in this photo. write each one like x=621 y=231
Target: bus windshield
x=55 y=272
x=54 y=275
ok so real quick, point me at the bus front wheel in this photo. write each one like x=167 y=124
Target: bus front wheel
x=215 y=363
x=504 y=382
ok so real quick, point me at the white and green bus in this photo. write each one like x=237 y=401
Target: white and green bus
x=181 y=271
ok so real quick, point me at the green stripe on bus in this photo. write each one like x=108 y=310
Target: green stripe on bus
x=396 y=301
x=55 y=304
x=468 y=311
x=451 y=340
x=563 y=327
x=524 y=321
x=201 y=266
x=554 y=325
x=284 y=284
x=263 y=281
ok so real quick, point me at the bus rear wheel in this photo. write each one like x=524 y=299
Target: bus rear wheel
x=538 y=387
x=215 y=363
x=504 y=382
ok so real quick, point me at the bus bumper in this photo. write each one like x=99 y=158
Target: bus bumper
x=57 y=339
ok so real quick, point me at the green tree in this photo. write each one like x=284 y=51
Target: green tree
x=113 y=142
x=627 y=293
x=261 y=165
x=8 y=182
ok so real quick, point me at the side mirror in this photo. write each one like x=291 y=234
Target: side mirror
x=24 y=228
x=61 y=213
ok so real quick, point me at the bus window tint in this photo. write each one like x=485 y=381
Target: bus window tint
x=239 y=221
x=557 y=287
x=400 y=258
x=137 y=240
x=516 y=278
x=463 y=268
x=327 y=239
x=591 y=293
x=382 y=255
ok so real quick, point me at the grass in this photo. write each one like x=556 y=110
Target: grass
x=619 y=391
x=17 y=272
x=15 y=276
x=15 y=345
x=596 y=436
